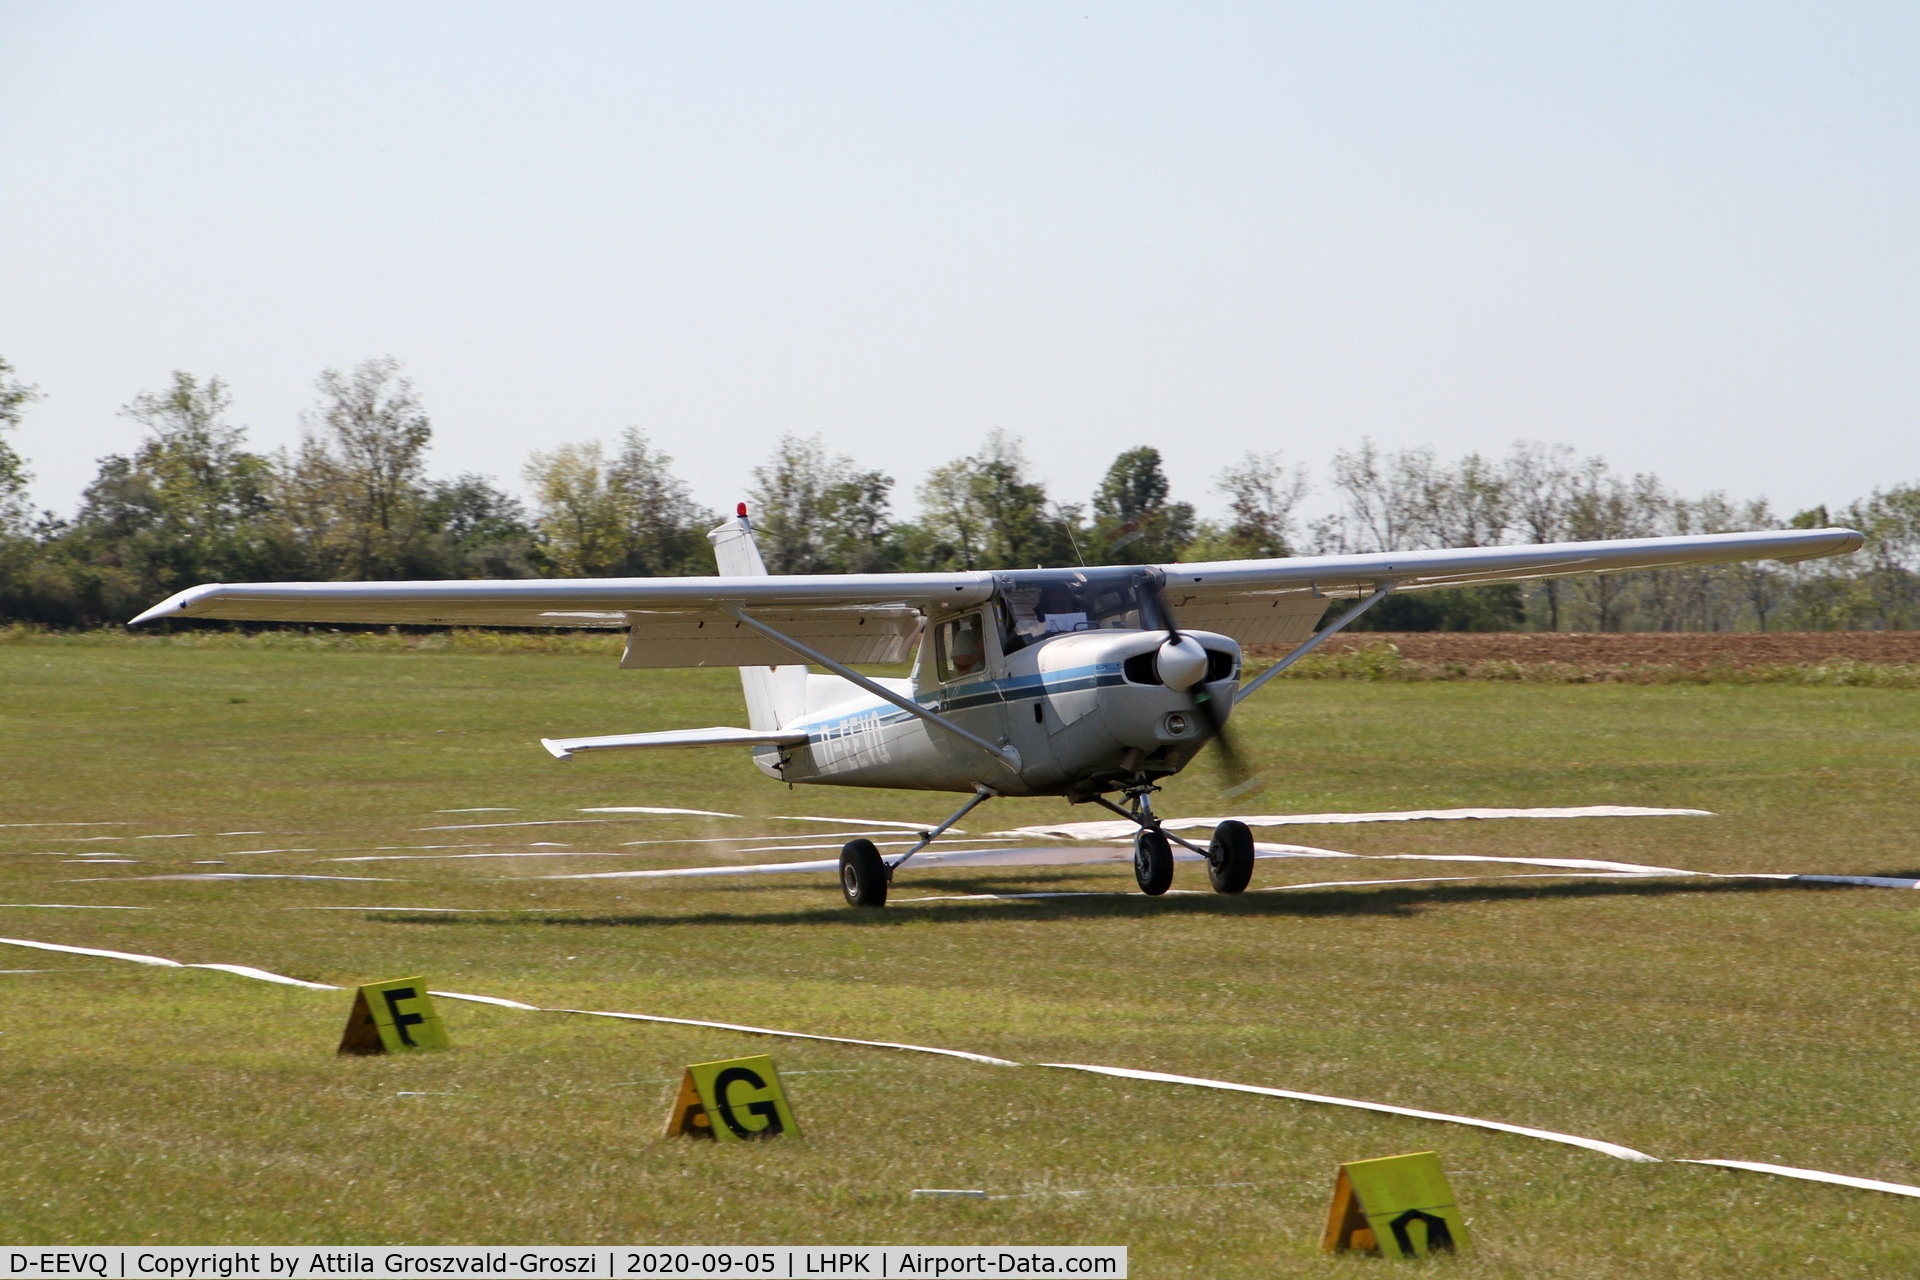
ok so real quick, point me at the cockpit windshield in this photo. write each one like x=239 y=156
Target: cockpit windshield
x=1038 y=603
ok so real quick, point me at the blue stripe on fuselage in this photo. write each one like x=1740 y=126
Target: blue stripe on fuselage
x=984 y=693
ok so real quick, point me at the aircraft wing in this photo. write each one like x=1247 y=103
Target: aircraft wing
x=671 y=622
x=1279 y=601
x=683 y=622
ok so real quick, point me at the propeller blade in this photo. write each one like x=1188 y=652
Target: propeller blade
x=1239 y=775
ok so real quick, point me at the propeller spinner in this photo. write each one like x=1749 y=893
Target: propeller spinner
x=1181 y=662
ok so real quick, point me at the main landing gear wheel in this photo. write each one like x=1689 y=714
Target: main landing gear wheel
x=863 y=874
x=1152 y=862
x=1230 y=857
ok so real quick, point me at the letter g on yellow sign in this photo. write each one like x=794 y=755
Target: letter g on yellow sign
x=734 y=1101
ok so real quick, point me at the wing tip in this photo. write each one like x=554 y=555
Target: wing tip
x=177 y=604
x=556 y=748
x=166 y=608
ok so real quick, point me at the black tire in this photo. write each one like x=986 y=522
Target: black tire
x=863 y=874
x=1230 y=857
x=1152 y=863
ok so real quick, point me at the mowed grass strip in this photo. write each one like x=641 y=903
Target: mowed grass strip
x=1728 y=1019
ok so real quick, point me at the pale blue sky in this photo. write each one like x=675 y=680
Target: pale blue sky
x=1684 y=236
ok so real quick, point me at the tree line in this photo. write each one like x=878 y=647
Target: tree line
x=192 y=503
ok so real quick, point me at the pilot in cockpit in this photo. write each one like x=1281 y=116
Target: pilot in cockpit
x=1060 y=609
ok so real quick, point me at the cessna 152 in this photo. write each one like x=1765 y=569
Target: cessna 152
x=1079 y=683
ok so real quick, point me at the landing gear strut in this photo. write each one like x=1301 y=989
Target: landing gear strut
x=865 y=875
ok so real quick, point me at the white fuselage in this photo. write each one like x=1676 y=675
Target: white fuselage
x=1073 y=707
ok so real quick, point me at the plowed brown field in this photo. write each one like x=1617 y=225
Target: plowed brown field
x=1596 y=649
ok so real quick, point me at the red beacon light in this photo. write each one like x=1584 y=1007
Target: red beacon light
x=740 y=510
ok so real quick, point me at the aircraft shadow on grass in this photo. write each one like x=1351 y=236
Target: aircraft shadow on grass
x=1390 y=901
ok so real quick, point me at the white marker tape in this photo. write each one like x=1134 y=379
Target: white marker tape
x=1109 y=830
x=503 y=1003
x=241 y=875
x=93 y=951
x=543 y=822
x=1572 y=864
x=494 y=911
x=792 y=1035
x=1591 y=1144
x=447 y=857
x=1353 y=884
x=764 y=868
x=862 y=822
x=643 y=808
x=389 y=848
x=841 y=844
x=248 y=971
x=65 y=824
x=1813 y=1175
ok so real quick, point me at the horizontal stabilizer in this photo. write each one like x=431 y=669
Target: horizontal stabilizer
x=715 y=737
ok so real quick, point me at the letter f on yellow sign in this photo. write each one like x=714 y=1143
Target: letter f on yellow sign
x=733 y=1101
x=393 y=1017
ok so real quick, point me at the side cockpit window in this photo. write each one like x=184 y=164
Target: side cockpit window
x=960 y=648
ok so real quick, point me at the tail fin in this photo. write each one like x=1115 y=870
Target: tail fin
x=775 y=695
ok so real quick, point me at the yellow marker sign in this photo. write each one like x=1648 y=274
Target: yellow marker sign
x=732 y=1101
x=1400 y=1205
x=393 y=1017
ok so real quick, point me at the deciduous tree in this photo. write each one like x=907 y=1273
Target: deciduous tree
x=1133 y=521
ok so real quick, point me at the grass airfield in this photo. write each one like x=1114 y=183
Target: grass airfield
x=1734 y=1020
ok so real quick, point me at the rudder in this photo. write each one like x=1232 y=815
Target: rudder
x=775 y=695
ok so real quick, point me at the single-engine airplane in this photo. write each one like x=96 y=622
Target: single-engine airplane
x=1081 y=683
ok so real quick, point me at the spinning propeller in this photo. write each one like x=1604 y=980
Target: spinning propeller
x=1181 y=663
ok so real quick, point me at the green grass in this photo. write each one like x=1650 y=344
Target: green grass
x=1733 y=1019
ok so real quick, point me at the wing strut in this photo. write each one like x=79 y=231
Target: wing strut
x=1006 y=755
x=1381 y=590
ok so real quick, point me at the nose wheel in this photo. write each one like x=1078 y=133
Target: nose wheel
x=1229 y=854
x=1152 y=862
x=1230 y=857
